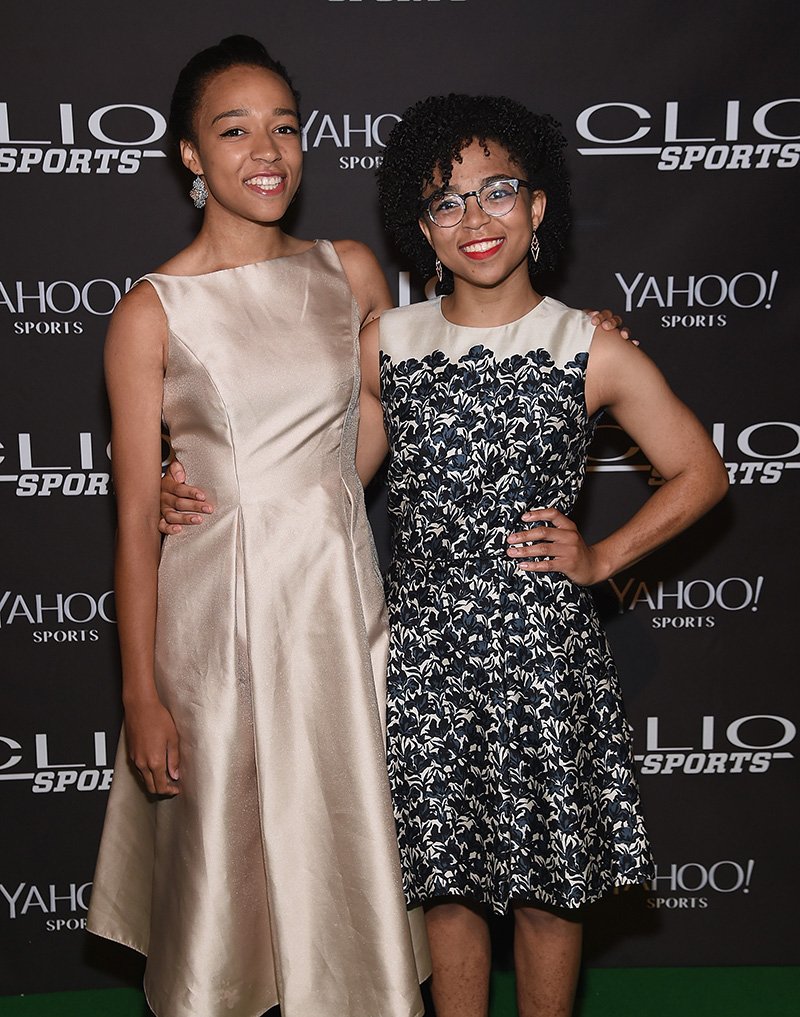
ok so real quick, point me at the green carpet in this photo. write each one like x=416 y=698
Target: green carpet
x=604 y=992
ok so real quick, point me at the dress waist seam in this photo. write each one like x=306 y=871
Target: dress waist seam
x=479 y=557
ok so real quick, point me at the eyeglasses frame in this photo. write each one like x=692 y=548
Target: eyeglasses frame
x=425 y=206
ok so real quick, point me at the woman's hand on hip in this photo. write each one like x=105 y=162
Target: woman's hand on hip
x=181 y=505
x=555 y=545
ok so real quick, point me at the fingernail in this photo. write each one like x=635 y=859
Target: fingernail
x=207 y=508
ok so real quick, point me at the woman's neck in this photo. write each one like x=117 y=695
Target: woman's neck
x=478 y=306
x=227 y=242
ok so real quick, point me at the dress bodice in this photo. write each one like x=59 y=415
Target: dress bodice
x=483 y=424
x=260 y=380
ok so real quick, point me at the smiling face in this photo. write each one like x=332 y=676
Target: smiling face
x=484 y=250
x=247 y=144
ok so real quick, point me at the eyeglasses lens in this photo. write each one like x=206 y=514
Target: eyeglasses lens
x=496 y=198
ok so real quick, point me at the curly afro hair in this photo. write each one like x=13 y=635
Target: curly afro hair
x=432 y=135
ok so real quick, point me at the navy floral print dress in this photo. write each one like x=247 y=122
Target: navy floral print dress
x=508 y=748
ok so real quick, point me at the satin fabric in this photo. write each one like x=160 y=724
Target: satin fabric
x=274 y=876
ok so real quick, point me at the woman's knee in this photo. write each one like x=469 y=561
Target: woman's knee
x=454 y=912
x=547 y=920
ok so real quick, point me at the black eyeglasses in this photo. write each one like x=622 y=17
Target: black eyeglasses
x=498 y=197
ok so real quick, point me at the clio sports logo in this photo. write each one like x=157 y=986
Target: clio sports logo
x=709 y=745
x=38 y=760
x=762 y=453
x=28 y=467
x=75 y=140
x=679 y=136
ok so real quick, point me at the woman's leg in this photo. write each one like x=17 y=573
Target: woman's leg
x=462 y=959
x=547 y=956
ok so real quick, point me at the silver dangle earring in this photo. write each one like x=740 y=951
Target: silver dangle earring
x=535 y=246
x=199 y=192
x=438 y=270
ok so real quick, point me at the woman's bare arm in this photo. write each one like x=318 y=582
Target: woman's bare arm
x=372 y=443
x=134 y=365
x=371 y=292
x=621 y=378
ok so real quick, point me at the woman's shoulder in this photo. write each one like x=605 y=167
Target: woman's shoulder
x=551 y=307
x=364 y=276
x=358 y=261
x=411 y=314
x=141 y=301
x=138 y=323
x=189 y=260
x=563 y=325
x=353 y=254
x=409 y=327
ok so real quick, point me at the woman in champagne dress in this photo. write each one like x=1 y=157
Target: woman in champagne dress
x=258 y=864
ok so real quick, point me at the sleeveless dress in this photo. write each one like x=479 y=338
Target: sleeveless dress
x=274 y=876
x=509 y=753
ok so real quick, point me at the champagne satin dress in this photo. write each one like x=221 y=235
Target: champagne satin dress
x=274 y=876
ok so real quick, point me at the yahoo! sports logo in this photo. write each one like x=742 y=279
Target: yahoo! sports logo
x=732 y=138
x=75 y=617
x=58 y=306
x=62 y=905
x=679 y=603
x=363 y=133
x=673 y=887
x=698 y=301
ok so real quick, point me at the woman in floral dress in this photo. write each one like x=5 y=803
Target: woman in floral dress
x=509 y=752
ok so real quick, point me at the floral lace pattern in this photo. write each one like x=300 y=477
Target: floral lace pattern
x=508 y=748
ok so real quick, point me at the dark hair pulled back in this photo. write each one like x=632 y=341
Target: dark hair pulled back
x=235 y=51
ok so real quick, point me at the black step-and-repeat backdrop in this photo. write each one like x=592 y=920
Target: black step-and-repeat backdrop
x=683 y=123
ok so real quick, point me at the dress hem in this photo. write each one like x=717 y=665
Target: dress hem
x=256 y=1013
x=548 y=900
